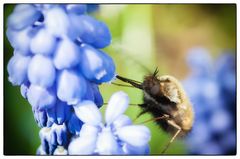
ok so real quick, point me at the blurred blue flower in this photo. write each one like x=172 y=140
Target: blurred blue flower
x=212 y=91
x=199 y=61
x=226 y=75
x=116 y=136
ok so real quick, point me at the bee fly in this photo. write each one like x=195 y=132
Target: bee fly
x=165 y=98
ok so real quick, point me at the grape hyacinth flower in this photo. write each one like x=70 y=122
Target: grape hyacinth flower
x=211 y=87
x=58 y=63
x=116 y=136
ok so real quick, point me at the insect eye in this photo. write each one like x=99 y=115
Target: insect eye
x=155 y=89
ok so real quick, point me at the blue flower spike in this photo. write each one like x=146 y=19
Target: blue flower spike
x=59 y=66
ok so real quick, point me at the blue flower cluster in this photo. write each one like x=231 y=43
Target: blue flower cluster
x=58 y=64
x=116 y=136
x=211 y=87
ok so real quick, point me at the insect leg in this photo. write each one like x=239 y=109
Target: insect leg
x=164 y=116
x=144 y=107
x=174 y=136
x=141 y=113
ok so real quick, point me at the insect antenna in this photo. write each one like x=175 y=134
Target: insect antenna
x=130 y=81
x=155 y=73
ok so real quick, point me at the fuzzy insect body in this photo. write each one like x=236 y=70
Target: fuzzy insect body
x=164 y=96
x=165 y=99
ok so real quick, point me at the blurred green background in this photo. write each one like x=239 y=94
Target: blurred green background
x=143 y=37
